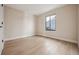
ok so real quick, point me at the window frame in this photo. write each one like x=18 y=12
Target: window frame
x=46 y=24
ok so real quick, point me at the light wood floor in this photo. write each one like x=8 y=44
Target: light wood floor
x=36 y=45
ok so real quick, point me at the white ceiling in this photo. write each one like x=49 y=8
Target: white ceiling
x=35 y=9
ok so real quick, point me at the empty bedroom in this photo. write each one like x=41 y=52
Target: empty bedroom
x=39 y=29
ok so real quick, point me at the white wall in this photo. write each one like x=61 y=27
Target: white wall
x=66 y=28
x=17 y=24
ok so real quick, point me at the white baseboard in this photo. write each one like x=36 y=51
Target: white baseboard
x=59 y=38
x=13 y=38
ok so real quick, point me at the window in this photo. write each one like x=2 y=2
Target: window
x=50 y=24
